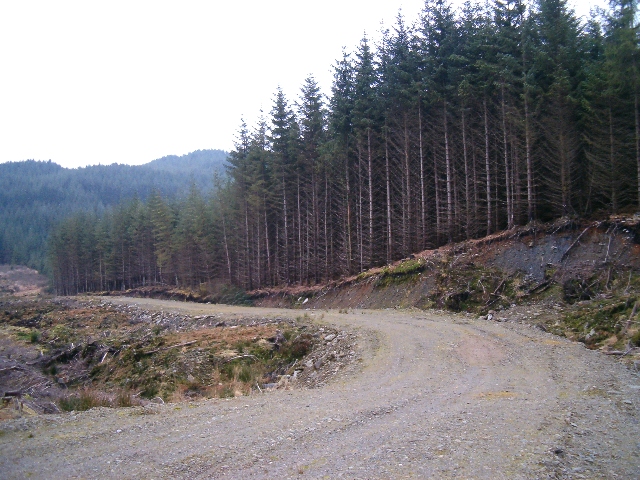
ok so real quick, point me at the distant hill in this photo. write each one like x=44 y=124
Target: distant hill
x=34 y=195
x=194 y=162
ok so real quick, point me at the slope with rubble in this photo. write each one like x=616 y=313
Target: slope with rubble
x=580 y=280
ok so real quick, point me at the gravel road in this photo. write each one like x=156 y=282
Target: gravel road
x=435 y=396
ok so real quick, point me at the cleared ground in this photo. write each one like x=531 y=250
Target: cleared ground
x=435 y=396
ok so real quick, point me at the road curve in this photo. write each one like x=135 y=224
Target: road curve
x=436 y=396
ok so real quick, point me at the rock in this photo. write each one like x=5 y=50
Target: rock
x=490 y=316
x=329 y=337
x=309 y=364
x=318 y=364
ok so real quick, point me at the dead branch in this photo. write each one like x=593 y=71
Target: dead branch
x=564 y=255
x=541 y=287
x=13 y=393
x=606 y=257
x=633 y=314
x=239 y=357
x=495 y=292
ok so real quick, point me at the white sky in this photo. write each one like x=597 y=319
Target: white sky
x=87 y=82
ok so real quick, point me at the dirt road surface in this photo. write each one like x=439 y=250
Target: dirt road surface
x=435 y=396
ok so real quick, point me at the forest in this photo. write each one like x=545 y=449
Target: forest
x=37 y=195
x=455 y=126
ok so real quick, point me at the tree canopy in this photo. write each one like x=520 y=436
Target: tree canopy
x=452 y=127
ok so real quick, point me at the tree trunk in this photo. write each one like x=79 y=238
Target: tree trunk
x=529 y=160
x=447 y=157
x=370 y=173
x=467 y=190
x=488 y=167
x=507 y=171
x=423 y=222
x=388 y=182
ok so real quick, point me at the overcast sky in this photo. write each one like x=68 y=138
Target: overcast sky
x=87 y=82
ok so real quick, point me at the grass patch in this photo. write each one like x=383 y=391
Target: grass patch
x=88 y=398
x=83 y=400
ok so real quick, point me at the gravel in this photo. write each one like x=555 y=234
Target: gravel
x=432 y=396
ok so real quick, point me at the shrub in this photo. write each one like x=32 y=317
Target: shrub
x=84 y=400
x=34 y=336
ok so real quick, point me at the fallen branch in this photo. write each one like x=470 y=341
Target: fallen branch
x=541 y=287
x=36 y=385
x=239 y=357
x=491 y=302
x=606 y=257
x=630 y=320
x=169 y=348
x=564 y=255
x=495 y=292
x=13 y=393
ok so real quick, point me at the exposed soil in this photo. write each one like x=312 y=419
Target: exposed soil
x=533 y=258
x=581 y=281
x=434 y=396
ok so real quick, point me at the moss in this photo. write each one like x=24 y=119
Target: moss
x=595 y=322
x=404 y=272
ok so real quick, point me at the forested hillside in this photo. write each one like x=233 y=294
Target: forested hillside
x=452 y=127
x=34 y=196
